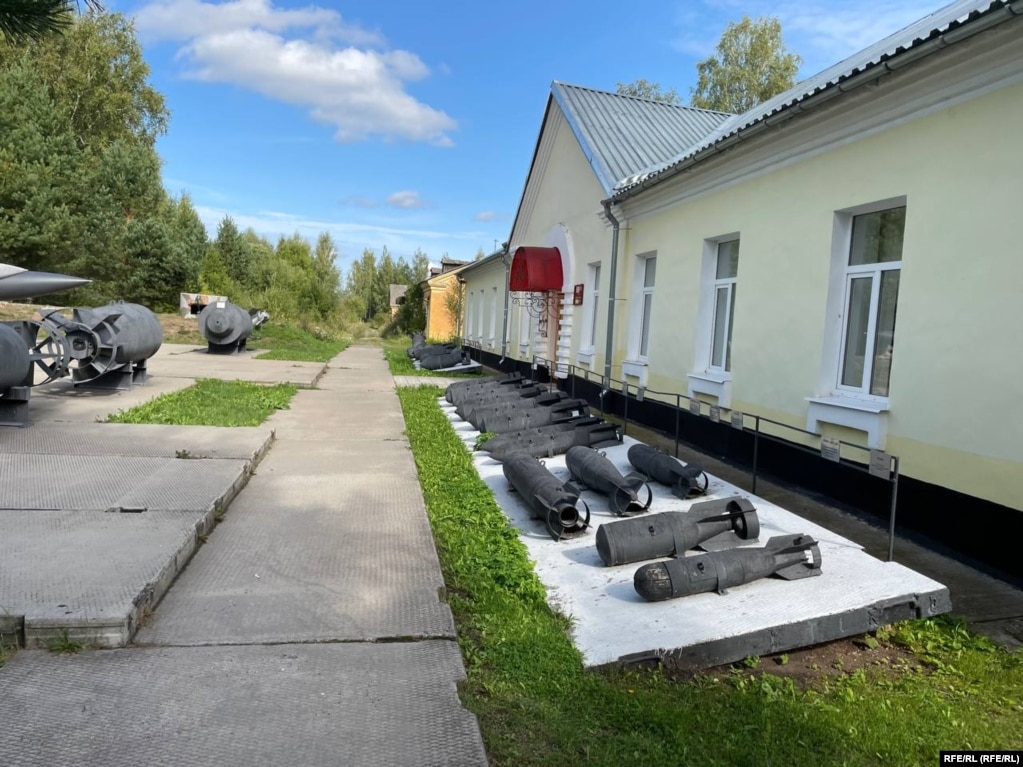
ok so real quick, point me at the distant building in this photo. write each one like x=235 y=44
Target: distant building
x=442 y=296
x=397 y=297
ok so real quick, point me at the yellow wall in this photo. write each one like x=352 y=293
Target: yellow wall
x=954 y=416
x=440 y=324
x=484 y=304
x=567 y=194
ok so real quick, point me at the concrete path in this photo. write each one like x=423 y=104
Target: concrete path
x=310 y=629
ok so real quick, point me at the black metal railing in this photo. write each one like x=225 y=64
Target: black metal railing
x=877 y=463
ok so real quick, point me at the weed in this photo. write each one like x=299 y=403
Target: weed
x=182 y=454
x=212 y=402
x=64 y=644
x=482 y=438
x=283 y=341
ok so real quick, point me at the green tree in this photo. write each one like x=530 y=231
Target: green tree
x=22 y=20
x=751 y=66
x=77 y=126
x=328 y=278
x=234 y=251
x=645 y=89
x=411 y=316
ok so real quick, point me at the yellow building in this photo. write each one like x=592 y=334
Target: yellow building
x=765 y=263
x=442 y=296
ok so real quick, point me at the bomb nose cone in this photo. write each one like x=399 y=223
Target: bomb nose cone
x=26 y=284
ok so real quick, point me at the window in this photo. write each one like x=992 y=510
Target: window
x=647 y=297
x=493 y=315
x=470 y=305
x=525 y=329
x=871 y=297
x=726 y=269
x=481 y=305
x=593 y=301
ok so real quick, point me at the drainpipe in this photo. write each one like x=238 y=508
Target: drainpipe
x=507 y=281
x=609 y=348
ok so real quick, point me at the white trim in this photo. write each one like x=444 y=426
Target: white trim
x=585 y=356
x=636 y=369
x=713 y=383
x=860 y=414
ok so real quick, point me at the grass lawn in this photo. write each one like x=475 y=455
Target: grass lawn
x=290 y=342
x=212 y=402
x=918 y=687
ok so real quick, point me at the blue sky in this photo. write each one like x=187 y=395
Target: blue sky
x=411 y=124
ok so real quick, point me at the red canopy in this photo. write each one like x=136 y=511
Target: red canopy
x=535 y=270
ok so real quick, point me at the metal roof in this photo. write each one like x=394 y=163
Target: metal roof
x=921 y=38
x=621 y=135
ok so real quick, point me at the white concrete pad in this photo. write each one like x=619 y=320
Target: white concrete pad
x=611 y=622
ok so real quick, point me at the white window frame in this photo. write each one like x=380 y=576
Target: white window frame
x=470 y=305
x=493 y=317
x=481 y=307
x=525 y=328
x=637 y=361
x=853 y=407
x=705 y=377
x=587 y=348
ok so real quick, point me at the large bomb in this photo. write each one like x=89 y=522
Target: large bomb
x=549 y=500
x=595 y=471
x=225 y=326
x=788 y=556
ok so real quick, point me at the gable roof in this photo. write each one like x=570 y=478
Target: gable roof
x=946 y=26
x=621 y=135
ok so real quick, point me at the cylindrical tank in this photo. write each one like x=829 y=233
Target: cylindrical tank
x=224 y=324
x=15 y=362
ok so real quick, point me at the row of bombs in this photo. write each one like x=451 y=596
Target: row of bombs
x=436 y=356
x=668 y=534
x=525 y=416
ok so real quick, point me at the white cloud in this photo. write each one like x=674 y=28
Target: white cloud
x=358 y=89
x=487 y=215
x=407 y=199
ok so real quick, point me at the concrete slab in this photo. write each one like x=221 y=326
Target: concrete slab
x=611 y=622
x=67 y=482
x=96 y=520
x=61 y=402
x=338 y=704
x=91 y=574
x=136 y=440
x=304 y=558
x=185 y=361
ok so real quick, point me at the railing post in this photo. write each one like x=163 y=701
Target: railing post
x=756 y=452
x=625 y=410
x=678 y=413
x=891 y=513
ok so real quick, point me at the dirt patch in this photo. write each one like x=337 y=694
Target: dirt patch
x=176 y=329
x=809 y=666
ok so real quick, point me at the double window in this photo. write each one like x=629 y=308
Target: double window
x=871 y=297
x=726 y=269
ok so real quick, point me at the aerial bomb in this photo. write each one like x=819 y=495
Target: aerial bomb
x=788 y=556
x=553 y=502
x=16 y=282
x=594 y=470
x=458 y=389
x=108 y=345
x=225 y=326
x=684 y=480
x=477 y=414
x=548 y=441
x=517 y=420
x=671 y=533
